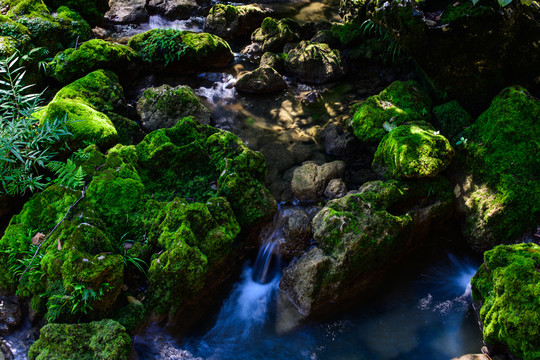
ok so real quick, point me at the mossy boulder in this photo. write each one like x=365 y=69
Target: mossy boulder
x=315 y=63
x=273 y=60
x=358 y=235
x=506 y=291
x=264 y=79
x=451 y=119
x=412 y=151
x=398 y=104
x=273 y=35
x=498 y=190
x=229 y=21
x=163 y=106
x=181 y=51
x=104 y=339
x=9 y=46
x=72 y=64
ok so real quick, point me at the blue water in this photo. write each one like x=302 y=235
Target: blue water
x=424 y=313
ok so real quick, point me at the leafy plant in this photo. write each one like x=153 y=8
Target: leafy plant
x=368 y=27
x=77 y=302
x=164 y=45
x=67 y=174
x=25 y=145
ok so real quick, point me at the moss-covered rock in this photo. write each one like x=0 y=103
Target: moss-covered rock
x=92 y=11
x=104 y=339
x=412 y=151
x=275 y=61
x=499 y=191
x=228 y=21
x=358 y=235
x=398 y=104
x=93 y=55
x=451 y=119
x=264 y=79
x=273 y=35
x=315 y=63
x=181 y=51
x=506 y=292
x=163 y=106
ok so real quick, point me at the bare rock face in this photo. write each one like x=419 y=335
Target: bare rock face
x=310 y=180
x=229 y=21
x=261 y=81
x=173 y=9
x=126 y=11
x=336 y=188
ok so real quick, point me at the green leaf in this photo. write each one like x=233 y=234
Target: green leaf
x=503 y=3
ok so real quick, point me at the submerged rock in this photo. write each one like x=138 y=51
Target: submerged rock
x=275 y=61
x=262 y=80
x=411 y=151
x=359 y=235
x=126 y=11
x=315 y=63
x=104 y=339
x=181 y=51
x=273 y=35
x=497 y=184
x=228 y=21
x=162 y=107
x=398 y=104
x=72 y=64
x=338 y=141
x=505 y=293
x=310 y=180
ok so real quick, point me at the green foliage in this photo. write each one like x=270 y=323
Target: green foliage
x=25 y=147
x=368 y=27
x=77 y=302
x=164 y=45
x=67 y=174
x=19 y=260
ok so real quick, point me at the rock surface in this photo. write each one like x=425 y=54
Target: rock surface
x=173 y=9
x=262 y=80
x=315 y=63
x=228 y=21
x=310 y=180
x=10 y=314
x=273 y=35
x=126 y=11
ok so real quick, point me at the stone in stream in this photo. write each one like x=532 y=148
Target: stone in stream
x=126 y=11
x=315 y=63
x=273 y=60
x=228 y=21
x=173 y=9
x=262 y=80
x=10 y=314
x=273 y=35
x=358 y=235
x=163 y=106
x=338 y=141
x=310 y=180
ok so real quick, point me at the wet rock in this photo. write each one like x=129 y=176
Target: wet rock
x=173 y=9
x=273 y=35
x=126 y=11
x=358 y=235
x=277 y=156
x=296 y=233
x=505 y=295
x=229 y=21
x=338 y=141
x=5 y=352
x=326 y=37
x=10 y=314
x=275 y=61
x=261 y=81
x=252 y=52
x=472 y=357
x=310 y=180
x=164 y=106
x=411 y=151
x=336 y=188
x=315 y=63
x=301 y=152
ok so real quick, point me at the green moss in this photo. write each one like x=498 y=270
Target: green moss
x=398 y=104
x=274 y=34
x=92 y=11
x=411 y=151
x=13 y=29
x=464 y=11
x=504 y=155
x=104 y=339
x=18 y=8
x=348 y=33
x=507 y=288
x=89 y=56
x=451 y=119
x=9 y=46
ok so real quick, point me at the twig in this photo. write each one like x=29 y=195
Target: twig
x=50 y=233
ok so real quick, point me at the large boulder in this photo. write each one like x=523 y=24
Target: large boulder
x=264 y=79
x=173 y=9
x=506 y=291
x=412 y=151
x=228 y=21
x=104 y=339
x=181 y=51
x=497 y=180
x=359 y=235
x=164 y=106
x=398 y=104
x=126 y=11
x=72 y=64
x=475 y=49
x=175 y=201
x=315 y=63
x=273 y=35
x=310 y=180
